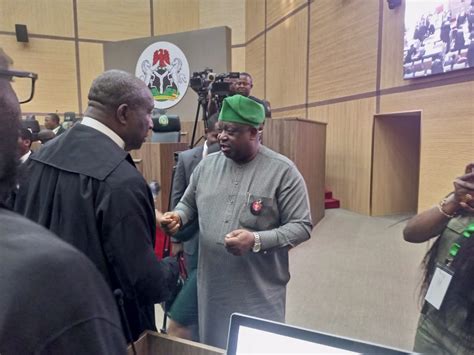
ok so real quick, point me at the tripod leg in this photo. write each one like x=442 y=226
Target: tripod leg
x=195 y=125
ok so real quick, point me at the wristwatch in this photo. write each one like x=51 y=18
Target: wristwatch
x=258 y=243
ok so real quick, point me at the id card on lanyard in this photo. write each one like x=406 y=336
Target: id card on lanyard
x=444 y=274
x=439 y=285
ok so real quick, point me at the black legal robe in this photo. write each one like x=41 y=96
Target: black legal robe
x=86 y=189
x=52 y=299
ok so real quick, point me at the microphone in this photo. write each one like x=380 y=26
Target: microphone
x=119 y=297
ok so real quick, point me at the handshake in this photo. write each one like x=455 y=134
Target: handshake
x=170 y=222
x=238 y=242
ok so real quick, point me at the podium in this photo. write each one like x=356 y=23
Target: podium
x=155 y=161
x=152 y=343
x=303 y=142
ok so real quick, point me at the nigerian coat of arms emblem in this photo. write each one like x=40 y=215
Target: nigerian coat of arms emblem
x=165 y=70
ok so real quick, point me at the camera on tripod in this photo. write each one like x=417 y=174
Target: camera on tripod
x=222 y=84
x=212 y=89
x=200 y=81
x=219 y=85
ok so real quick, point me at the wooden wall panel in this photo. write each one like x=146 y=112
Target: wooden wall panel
x=92 y=64
x=46 y=17
x=391 y=73
x=231 y=13
x=348 y=151
x=55 y=63
x=286 y=61
x=318 y=114
x=254 y=18
x=298 y=113
x=238 y=59
x=172 y=16
x=343 y=48
x=277 y=9
x=113 y=20
x=447 y=134
x=255 y=65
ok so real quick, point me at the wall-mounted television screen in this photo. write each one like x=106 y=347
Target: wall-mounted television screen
x=439 y=37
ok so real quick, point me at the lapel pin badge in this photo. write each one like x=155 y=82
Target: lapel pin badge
x=256 y=207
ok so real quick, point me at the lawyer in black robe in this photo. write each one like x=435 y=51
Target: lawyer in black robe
x=85 y=189
x=52 y=298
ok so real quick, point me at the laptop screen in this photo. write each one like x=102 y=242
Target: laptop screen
x=251 y=335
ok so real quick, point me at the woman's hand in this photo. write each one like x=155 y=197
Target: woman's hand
x=432 y=222
x=464 y=189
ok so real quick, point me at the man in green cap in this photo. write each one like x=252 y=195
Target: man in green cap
x=251 y=202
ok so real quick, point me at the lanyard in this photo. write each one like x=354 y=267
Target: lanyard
x=454 y=249
x=443 y=274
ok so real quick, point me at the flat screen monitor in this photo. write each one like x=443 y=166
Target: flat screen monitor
x=250 y=335
x=439 y=37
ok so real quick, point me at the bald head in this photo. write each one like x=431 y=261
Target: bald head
x=115 y=87
x=45 y=135
x=9 y=130
x=123 y=103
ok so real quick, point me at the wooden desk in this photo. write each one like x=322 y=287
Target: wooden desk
x=152 y=343
x=155 y=161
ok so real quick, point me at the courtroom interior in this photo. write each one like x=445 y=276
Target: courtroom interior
x=187 y=148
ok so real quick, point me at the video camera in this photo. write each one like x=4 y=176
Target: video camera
x=222 y=84
x=212 y=89
x=219 y=85
x=200 y=81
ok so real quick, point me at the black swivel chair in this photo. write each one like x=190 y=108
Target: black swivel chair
x=32 y=125
x=166 y=129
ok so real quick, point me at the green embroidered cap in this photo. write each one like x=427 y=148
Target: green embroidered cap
x=241 y=109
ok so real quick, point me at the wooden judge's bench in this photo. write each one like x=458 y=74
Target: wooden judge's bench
x=302 y=141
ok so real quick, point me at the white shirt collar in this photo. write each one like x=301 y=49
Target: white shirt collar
x=25 y=157
x=205 y=149
x=93 y=123
x=56 y=130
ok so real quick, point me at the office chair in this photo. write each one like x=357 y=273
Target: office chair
x=166 y=128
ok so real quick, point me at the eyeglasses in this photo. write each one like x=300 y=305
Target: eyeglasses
x=23 y=83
